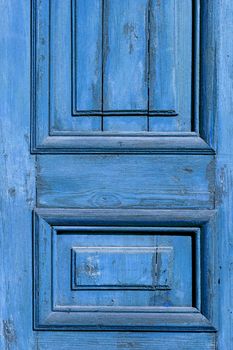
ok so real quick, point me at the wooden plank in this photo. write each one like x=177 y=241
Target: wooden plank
x=17 y=186
x=163 y=42
x=125 y=182
x=125 y=63
x=170 y=86
x=74 y=63
x=126 y=341
x=221 y=83
x=87 y=51
x=120 y=267
x=17 y=190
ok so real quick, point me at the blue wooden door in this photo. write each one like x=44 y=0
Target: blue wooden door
x=126 y=171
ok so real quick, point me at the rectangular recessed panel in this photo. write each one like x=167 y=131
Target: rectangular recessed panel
x=118 y=270
x=131 y=65
x=122 y=268
x=119 y=66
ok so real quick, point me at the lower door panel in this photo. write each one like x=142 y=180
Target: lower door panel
x=122 y=270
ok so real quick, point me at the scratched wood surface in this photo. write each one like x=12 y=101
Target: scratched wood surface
x=126 y=341
x=170 y=68
x=18 y=196
x=17 y=185
x=125 y=181
x=224 y=175
x=125 y=72
x=123 y=255
x=68 y=224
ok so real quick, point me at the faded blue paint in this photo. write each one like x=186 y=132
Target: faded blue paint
x=126 y=69
x=133 y=230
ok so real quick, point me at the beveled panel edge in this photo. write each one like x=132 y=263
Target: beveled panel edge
x=112 y=218
x=159 y=322
x=136 y=144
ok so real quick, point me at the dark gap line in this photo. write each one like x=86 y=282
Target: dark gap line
x=49 y=70
x=73 y=58
x=102 y=68
x=148 y=64
x=135 y=113
x=193 y=67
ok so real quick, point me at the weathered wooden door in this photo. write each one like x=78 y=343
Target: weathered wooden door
x=116 y=202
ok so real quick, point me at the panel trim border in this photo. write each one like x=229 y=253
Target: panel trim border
x=108 y=249
x=48 y=317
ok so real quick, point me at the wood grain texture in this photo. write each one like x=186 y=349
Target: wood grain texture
x=126 y=341
x=224 y=201
x=17 y=185
x=74 y=49
x=208 y=87
x=170 y=67
x=87 y=55
x=125 y=73
x=121 y=267
x=125 y=181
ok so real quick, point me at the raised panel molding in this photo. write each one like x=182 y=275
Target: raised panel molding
x=86 y=133
x=72 y=262
x=104 y=268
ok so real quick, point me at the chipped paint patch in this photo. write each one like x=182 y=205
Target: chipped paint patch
x=9 y=333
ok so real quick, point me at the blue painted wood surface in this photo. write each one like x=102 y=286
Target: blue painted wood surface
x=124 y=181
x=17 y=184
x=129 y=72
x=224 y=198
x=60 y=306
x=168 y=186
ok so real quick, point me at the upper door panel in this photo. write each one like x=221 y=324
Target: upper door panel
x=113 y=74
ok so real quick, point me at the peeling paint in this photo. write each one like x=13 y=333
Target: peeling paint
x=9 y=333
x=130 y=32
